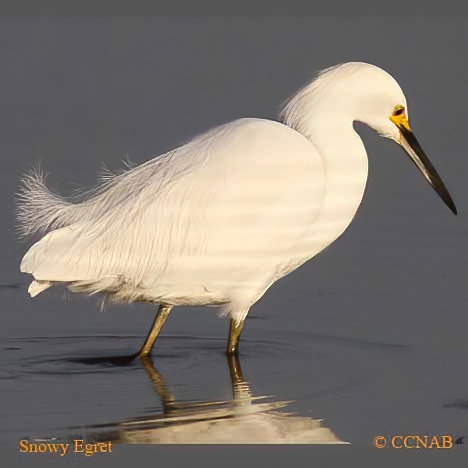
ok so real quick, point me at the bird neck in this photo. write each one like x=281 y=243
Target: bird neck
x=344 y=157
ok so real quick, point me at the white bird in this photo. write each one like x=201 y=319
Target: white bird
x=218 y=220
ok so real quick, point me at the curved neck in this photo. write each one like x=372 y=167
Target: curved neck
x=345 y=162
x=346 y=168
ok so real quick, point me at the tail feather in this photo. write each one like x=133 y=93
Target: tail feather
x=37 y=287
x=39 y=210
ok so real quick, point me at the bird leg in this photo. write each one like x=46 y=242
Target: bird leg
x=235 y=369
x=240 y=388
x=158 y=323
x=235 y=329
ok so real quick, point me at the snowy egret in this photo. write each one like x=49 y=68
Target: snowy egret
x=218 y=220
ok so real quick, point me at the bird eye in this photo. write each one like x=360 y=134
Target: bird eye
x=398 y=110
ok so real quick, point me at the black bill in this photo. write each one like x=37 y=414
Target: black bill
x=417 y=154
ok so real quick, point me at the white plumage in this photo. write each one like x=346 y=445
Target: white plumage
x=220 y=219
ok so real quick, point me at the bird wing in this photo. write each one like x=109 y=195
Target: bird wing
x=249 y=188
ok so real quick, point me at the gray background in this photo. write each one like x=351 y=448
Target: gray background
x=369 y=336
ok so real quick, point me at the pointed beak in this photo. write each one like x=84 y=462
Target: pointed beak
x=411 y=145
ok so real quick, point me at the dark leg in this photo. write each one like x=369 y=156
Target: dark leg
x=235 y=370
x=158 y=323
x=235 y=329
x=240 y=388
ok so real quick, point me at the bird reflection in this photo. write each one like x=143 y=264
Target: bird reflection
x=243 y=420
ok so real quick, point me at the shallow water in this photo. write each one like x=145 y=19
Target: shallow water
x=369 y=338
x=57 y=382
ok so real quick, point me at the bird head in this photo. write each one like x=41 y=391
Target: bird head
x=375 y=98
x=364 y=93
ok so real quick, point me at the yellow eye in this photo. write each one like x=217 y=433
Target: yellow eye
x=398 y=110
